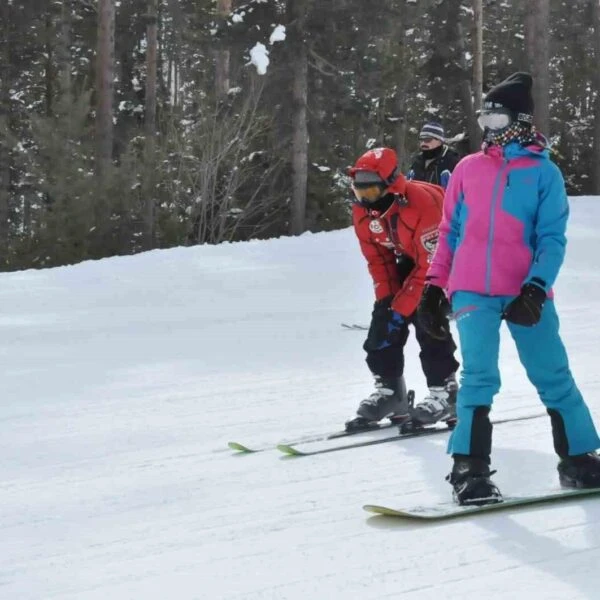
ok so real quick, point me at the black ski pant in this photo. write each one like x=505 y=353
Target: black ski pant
x=437 y=356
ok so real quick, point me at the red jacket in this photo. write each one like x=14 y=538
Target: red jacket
x=409 y=227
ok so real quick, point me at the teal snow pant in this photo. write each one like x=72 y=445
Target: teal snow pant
x=541 y=352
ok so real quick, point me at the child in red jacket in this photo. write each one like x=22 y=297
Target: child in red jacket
x=396 y=222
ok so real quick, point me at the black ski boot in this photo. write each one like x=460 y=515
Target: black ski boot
x=470 y=478
x=580 y=471
x=389 y=400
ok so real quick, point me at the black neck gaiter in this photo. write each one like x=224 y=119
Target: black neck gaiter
x=433 y=153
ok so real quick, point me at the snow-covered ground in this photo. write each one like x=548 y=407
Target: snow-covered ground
x=124 y=379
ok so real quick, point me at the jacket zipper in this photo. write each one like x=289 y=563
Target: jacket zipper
x=391 y=229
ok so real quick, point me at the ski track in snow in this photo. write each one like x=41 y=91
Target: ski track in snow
x=124 y=379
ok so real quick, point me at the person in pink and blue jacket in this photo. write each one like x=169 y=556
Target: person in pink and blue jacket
x=501 y=246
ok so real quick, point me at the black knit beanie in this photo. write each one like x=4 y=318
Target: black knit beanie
x=514 y=94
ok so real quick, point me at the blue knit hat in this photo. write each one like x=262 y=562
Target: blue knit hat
x=432 y=130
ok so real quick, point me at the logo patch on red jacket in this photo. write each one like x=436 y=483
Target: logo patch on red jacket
x=375 y=226
x=429 y=239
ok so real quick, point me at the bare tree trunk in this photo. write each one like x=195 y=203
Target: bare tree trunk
x=541 y=82
x=466 y=90
x=5 y=83
x=299 y=143
x=400 y=99
x=530 y=33
x=596 y=143
x=299 y=9
x=150 y=120
x=537 y=44
x=104 y=84
x=63 y=51
x=175 y=63
x=222 y=57
x=49 y=55
x=151 y=55
x=176 y=72
x=477 y=53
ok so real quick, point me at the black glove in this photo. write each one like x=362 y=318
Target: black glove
x=526 y=308
x=386 y=326
x=433 y=312
x=404 y=267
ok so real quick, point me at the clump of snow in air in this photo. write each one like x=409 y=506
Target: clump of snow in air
x=259 y=57
x=278 y=34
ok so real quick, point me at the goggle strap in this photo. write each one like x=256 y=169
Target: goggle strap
x=393 y=176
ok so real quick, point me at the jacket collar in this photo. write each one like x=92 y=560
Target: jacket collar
x=514 y=150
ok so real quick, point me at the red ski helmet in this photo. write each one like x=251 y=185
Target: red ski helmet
x=373 y=173
x=382 y=161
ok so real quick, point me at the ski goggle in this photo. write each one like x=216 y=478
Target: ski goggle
x=367 y=186
x=367 y=192
x=494 y=120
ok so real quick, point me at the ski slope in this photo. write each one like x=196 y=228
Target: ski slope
x=124 y=379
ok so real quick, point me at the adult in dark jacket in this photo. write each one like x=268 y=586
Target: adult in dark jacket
x=436 y=160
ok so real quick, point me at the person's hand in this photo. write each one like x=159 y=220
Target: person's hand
x=526 y=308
x=386 y=325
x=433 y=312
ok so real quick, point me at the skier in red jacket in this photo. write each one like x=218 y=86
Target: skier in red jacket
x=396 y=222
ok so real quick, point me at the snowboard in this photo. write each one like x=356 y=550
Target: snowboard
x=450 y=510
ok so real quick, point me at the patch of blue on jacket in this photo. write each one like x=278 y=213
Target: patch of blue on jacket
x=457 y=223
x=521 y=198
